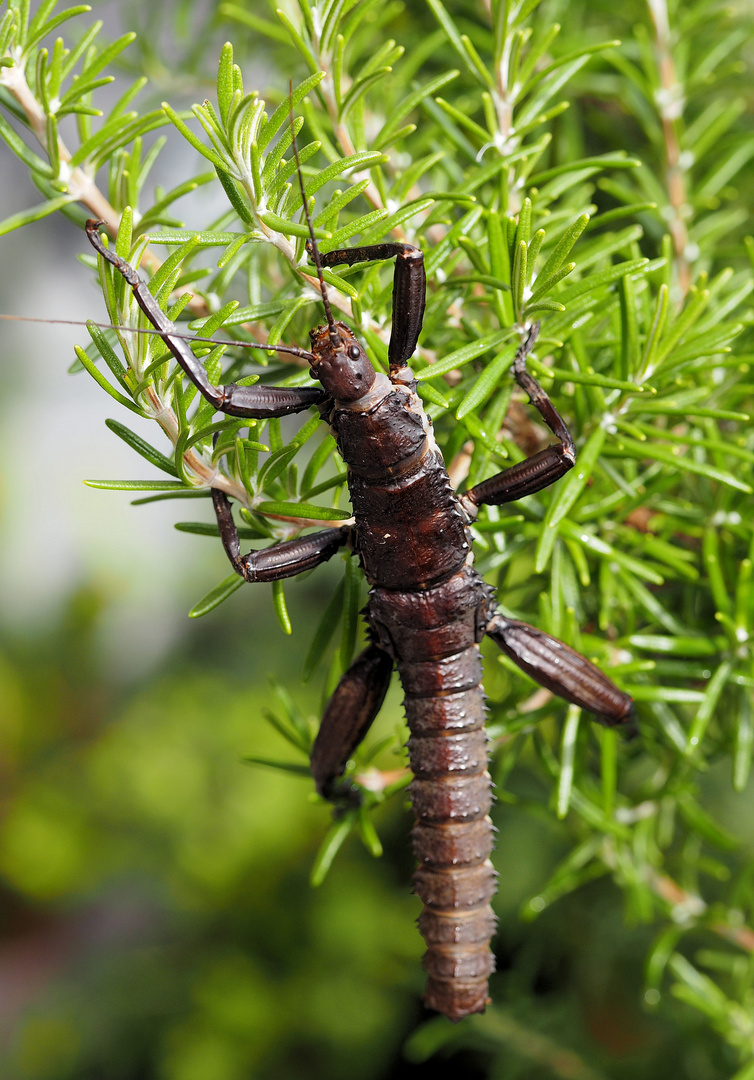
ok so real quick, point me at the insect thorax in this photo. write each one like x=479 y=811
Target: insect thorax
x=411 y=530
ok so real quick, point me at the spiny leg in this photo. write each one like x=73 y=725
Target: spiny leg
x=541 y=469
x=559 y=668
x=409 y=292
x=254 y=402
x=348 y=716
x=281 y=560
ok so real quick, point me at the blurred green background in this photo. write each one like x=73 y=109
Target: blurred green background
x=157 y=916
x=157 y=920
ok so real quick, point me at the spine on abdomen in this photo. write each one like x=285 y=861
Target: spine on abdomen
x=452 y=839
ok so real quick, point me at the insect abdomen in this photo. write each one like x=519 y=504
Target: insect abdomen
x=452 y=838
x=433 y=637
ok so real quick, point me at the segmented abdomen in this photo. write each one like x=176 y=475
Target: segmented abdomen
x=433 y=637
x=452 y=838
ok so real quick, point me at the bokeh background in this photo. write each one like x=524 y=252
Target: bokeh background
x=156 y=919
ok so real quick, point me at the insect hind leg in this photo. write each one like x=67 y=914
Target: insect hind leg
x=565 y=672
x=347 y=718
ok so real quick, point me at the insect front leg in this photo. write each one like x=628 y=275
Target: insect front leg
x=409 y=292
x=348 y=716
x=559 y=668
x=254 y=402
x=541 y=469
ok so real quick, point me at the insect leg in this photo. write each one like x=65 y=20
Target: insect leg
x=562 y=670
x=254 y=402
x=281 y=560
x=347 y=718
x=540 y=470
x=409 y=292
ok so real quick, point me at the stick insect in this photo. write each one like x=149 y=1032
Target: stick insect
x=428 y=608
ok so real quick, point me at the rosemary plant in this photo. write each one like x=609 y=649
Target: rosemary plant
x=633 y=261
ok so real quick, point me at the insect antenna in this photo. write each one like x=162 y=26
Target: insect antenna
x=291 y=350
x=335 y=339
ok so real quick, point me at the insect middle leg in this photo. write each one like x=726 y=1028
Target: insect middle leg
x=541 y=469
x=550 y=662
x=359 y=695
x=281 y=560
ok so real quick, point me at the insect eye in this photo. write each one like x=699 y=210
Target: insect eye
x=354 y=352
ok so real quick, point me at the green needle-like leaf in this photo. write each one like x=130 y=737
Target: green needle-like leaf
x=141 y=446
x=302 y=510
x=566 y=496
x=216 y=596
x=549 y=174
x=464 y=355
x=568 y=752
x=330 y=847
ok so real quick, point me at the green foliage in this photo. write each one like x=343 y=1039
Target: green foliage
x=613 y=218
